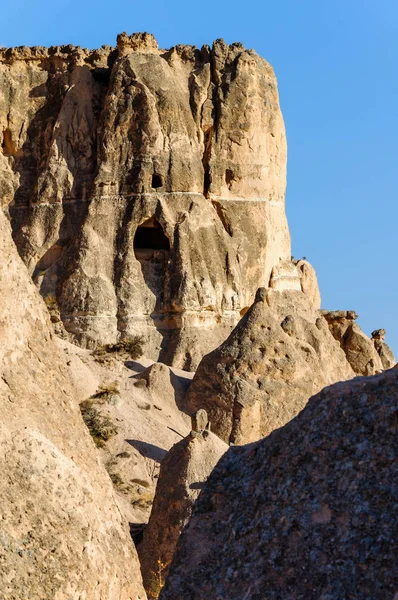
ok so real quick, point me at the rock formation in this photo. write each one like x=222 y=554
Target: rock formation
x=183 y=473
x=279 y=355
x=61 y=534
x=383 y=350
x=146 y=186
x=309 y=512
x=361 y=352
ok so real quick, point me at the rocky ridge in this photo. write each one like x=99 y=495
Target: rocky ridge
x=308 y=512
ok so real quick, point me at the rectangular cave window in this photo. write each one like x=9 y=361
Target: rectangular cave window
x=150 y=238
x=156 y=181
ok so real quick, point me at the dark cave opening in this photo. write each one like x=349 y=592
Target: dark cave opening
x=156 y=181
x=150 y=238
x=229 y=177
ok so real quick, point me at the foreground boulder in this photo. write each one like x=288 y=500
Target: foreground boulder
x=308 y=513
x=279 y=355
x=183 y=473
x=61 y=531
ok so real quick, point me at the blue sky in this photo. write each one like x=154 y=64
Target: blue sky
x=336 y=63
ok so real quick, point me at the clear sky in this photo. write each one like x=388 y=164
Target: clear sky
x=336 y=63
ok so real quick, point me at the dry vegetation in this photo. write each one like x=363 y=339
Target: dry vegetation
x=100 y=426
x=126 y=349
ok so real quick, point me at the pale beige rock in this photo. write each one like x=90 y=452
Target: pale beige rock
x=62 y=534
x=146 y=407
x=383 y=350
x=309 y=282
x=285 y=276
x=359 y=349
x=280 y=354
x=96 y=144
x=183 y=473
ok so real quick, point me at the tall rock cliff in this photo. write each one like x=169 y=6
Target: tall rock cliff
x=146 y=186
x=61 y=534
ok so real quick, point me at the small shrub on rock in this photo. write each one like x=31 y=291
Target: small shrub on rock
x=127 y=348
x=100 y=426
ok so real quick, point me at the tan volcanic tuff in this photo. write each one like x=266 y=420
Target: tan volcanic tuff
x=146 y=187
x=279 y=355
x=183 y=473
x=61 y=533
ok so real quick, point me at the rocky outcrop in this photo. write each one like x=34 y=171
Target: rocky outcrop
x=279 y=355
x=146 y=186
x=183 y=473
x=383 y=350
x=309 y=512
x=366 y=357
x=62 y=534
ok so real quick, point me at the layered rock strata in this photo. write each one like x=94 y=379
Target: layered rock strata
x=61 y=534
x=309 y=512
x=146 y=186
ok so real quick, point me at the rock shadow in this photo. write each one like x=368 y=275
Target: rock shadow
x=148 y=450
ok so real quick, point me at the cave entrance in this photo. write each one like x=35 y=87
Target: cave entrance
x=150 y=240
x=45 y=274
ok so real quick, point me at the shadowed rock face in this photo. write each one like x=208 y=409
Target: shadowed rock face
x=61 y=534
x=183 y=473
x=309 y=512
x=95 y=144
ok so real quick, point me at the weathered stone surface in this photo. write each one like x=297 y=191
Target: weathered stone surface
x=189 y=143
x=309 y=512
x=62 y=535
x=183 y=473
x=309 y=282
x=361 y=353
x=279 y=355
x=383 y=350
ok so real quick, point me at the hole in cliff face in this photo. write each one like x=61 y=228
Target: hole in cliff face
x=156 y=181
x=208 y=135
x=45 y=274
x=149 y=239
x=206 y=183
x=8 y=146
x=49 y=258
x=229 y=177
x=152 y=250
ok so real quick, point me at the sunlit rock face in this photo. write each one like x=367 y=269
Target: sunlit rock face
x=146 y=186
x=62 y=534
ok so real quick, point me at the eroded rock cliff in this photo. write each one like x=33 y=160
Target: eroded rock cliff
x=62 y=535
x=146 y=186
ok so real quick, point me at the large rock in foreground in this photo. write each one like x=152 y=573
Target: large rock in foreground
x=308 y=513
x=183 y=473
x=61 y=532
